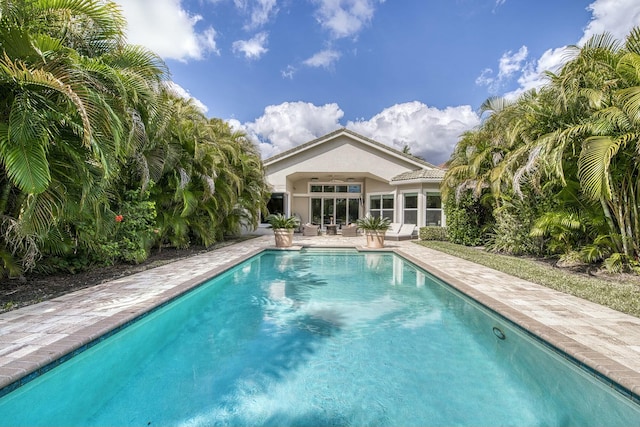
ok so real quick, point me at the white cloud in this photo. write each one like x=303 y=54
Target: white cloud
x=616 y=17
x=290 y=124
x=258 y=11
x=253 y=48
x=167 y=29
x=533 y=75
x=288 y=72
x=344 y=18
x=325 y=59
x=429 y=132
x=261 y=13
x=509 y=64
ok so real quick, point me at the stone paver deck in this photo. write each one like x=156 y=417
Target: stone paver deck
x=33 y=338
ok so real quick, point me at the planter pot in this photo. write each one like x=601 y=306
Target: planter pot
x=284 y=237
x=375 y=238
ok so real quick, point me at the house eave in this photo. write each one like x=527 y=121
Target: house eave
x=415 y=181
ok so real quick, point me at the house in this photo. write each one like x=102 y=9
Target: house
x=343 y=176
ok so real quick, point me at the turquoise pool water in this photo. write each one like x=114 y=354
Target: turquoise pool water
x=317 y=338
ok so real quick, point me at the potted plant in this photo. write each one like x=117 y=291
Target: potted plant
x=283 y=229
x=374 y=228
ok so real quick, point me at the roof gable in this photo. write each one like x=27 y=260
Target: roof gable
x=419 y=163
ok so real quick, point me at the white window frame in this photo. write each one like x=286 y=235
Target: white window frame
x=427 y=209
x=382 y=209
x=415 y=193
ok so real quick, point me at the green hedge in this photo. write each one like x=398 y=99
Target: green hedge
x=433 y=233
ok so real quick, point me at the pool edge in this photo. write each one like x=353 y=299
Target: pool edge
x=39 y=362
x=611 y=372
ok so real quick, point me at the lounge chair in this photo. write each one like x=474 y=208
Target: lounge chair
x=310 y=230
x=404 y=233
x=394 y=227
x=350 y=230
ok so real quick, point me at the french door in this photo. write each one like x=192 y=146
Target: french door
x=334 y=210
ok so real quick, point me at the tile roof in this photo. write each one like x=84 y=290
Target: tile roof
x=428 y=174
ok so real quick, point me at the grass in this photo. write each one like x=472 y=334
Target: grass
x=617 y=292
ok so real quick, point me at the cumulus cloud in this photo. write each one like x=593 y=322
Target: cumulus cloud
x=253 y=48
x=290 y=124
x=616 y=17
x=510 y=63
x=429 y=132
x=325 y=59
x=344 y=18
x=533 y=74
x=167 y=29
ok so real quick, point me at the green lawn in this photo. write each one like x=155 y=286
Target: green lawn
x=617 y=292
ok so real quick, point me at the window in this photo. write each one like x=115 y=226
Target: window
x=410 y=211
x=434 y=209
x=341 y=188
x=275 y=205
x=381 y=205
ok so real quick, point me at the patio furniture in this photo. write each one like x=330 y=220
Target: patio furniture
x=332 y=230
x=350 y=230
x=310 y=230
x=404 y=233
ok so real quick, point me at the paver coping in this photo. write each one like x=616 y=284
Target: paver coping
x=35 y=338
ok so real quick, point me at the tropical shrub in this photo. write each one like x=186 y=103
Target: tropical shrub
x=278 y=221
x=467 y=220
x=574 y=140
x=433 y=233
x=84 y=119
x=373 y=223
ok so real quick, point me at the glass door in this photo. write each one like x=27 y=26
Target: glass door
x=329 y=211
x=354 y=211
x=341 y=212
x=316 y=211
x=334 y=210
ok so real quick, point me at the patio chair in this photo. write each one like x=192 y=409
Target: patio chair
x=394 y=227
x=404 y=233
x=350 y=230
x=310 y=230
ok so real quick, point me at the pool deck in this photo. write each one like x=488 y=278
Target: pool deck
x=33 y=338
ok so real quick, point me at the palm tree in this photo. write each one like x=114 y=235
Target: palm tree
x=575 y=142
x=212 y=181
x=72 y=95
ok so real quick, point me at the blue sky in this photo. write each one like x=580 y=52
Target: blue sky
x=403 y=72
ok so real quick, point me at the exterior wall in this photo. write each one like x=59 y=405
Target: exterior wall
x=340 y=160
x=300 y=206
x=340 y=156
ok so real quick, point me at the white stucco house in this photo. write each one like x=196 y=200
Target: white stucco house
x=343 y=176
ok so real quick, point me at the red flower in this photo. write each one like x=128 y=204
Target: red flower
x=119 y=218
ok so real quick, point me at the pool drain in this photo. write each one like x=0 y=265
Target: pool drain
x=498 y=333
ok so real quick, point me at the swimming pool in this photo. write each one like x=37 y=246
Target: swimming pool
x=318 y=338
